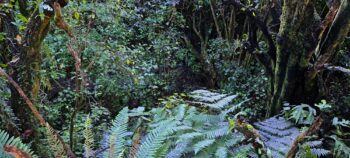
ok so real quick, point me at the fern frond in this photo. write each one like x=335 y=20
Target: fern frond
x=278 y=135
x=219 y=132
x=223 y=102
x=315 y=143
x=153 y=141
x=234 y=140
x=302 y=116
x=111 y=151
x=162 y=151
x=212 y=100
x=118 y=132
x=179 y=149
x=7 y=116
x=319 y=152
x=202 y=144
x=206 y=96
x=7 y=140
x=180 y=112
x=340 y=148
x=89 y=137
x=243 y=151
x=54 y=142
x=221 y=152
x=207 y=118
x=233 y=108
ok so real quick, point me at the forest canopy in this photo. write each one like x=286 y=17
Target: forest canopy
x=174 y=78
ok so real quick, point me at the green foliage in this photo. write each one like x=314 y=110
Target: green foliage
x=118 y=133
x=134 y=52
x=8 y=118
x=324 y=106
x=172 y=128
x=301 y=114
x=340 y=148
x=6 y=139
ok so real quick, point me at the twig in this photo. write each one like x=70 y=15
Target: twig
x=337 y=68
x=313 y=128
x=35 y=110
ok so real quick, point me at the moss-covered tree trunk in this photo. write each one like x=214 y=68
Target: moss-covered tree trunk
x=26 y=69
x=304 y=45
x=294 y=41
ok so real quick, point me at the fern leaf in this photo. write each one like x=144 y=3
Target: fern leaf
x=178 y=150
x=319 y=152
x=180 y=113
x=217 y=132
x=6 y=140
x=340 y=148
x=54 y=142
x=223 y=102
x=278 y=134
x=162 y=151
x=119 y=132
x=189 y=136
x=212 y=100
x=221 y=152
x=202 y=144
x=153 y=141
x=315 y=143
x=89 y=137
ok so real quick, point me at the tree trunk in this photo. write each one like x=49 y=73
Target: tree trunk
x=294 y=75
x=294 y=41
x=26 y=70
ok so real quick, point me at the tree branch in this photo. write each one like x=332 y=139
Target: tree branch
x=35 y=110
x=335 y=36
x=252 y=136
x=337 y=68
x=215 y=19
x=262 y=26
x=313 y=128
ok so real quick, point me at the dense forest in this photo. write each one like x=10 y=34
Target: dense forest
x=175 y=78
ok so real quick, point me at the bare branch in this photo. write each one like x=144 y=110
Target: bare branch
x=336 y=34
x=215 y=19
x=337 y=68
x=313 y=128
